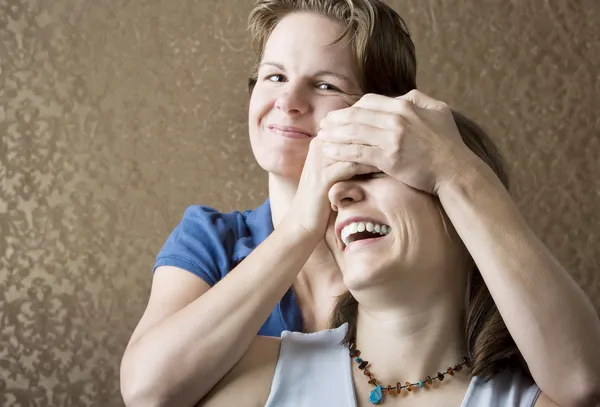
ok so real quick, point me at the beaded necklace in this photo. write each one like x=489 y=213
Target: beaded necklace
x=377 y=394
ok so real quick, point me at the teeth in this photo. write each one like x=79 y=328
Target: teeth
x=357 y=227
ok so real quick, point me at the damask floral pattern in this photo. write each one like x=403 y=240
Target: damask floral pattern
x=115 y=115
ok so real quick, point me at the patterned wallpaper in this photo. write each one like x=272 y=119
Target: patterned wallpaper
x=116 y=114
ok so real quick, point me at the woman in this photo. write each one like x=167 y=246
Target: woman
x=409 y=275
x=254 y=279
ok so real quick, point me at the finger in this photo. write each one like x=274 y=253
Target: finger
x=344 y=170
x=355 y=133
x=374 y=110
x=422 y=100
x=363 y=155
x=361 y=116
x=402 y=106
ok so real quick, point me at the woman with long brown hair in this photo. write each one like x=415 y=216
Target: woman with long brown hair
x=418 y=326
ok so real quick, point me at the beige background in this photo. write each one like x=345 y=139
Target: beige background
x=115 y=115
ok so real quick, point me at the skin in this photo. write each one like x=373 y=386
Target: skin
x=410 y=298
x=415 y=140
x=301 y=78
x=189 y=337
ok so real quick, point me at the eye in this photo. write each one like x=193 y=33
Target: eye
x=328 y=86
x=369 y=176
x=379 y=174
x=275 y=78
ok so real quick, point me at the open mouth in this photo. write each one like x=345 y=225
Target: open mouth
x=356 y=231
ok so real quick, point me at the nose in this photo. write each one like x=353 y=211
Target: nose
x=345 y=193
x=292 y=101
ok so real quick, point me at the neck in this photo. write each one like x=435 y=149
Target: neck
x=426 y=337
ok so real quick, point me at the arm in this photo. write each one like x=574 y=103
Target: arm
x=250 y=379
x=184 y=345
x=544 y=401
x=414 y=138
x=550 y=318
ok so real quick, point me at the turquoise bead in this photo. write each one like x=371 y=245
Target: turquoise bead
x=420 y=384
x=358 y=360
x=376 y=395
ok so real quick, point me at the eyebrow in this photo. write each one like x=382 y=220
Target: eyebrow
x=318 y=73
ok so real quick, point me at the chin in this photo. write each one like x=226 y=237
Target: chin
x=284 y=170
x=287 y=164
x=365 y=274
x=278 y=156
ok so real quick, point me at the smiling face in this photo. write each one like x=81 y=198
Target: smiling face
x=302 y=76
x=390 y=234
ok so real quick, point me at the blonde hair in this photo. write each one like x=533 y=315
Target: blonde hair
x=384 y=51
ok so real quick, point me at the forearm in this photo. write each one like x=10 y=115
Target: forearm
x=551 y=320
x=178 y=361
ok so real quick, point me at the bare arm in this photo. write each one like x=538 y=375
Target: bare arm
x=550 y=318
x=418 y=143
x=249 y=382
x=185 y=344
x=544 y=401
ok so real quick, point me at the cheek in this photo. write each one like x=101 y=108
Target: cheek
x=418 y=218
x=261 y=102
x=324 y=105
x=436 y=229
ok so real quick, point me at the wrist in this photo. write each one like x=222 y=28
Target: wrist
x=475 y=185
x=297 y=232
x=470 y=174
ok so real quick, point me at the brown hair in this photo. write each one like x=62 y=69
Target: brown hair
x=489 y=344
x=384 y=51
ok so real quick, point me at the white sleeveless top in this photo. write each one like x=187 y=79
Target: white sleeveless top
x=314 y=370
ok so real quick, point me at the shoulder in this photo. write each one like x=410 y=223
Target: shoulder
x=200 y=243
x=206 y=242
x=324 y=340
x=207 y=218
x=205 y=224
x=275 y=371
x=251 y=376
x=509 y=387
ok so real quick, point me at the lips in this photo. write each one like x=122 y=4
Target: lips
x=289 y=131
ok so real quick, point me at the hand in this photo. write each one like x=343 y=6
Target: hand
x=412 y=138
x=311 y=208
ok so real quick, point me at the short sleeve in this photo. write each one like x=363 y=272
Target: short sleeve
x=202 y=244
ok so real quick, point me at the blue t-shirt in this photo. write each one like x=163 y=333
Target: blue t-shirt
x=210 y=244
